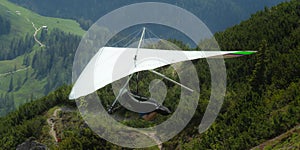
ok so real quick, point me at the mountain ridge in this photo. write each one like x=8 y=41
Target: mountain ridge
x=218 y=15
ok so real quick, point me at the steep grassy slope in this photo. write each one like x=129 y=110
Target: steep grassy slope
x=22 y=19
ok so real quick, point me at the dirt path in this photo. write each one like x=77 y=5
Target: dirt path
x=4 y=74
x=51 y=122
x=53 y=118
x=35 y=33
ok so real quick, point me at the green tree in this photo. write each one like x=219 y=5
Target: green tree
x=11 y=84
x=258 y=78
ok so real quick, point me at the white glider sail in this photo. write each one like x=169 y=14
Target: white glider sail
x=113 y=63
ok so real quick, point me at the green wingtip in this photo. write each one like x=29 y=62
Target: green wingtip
x=244 y=53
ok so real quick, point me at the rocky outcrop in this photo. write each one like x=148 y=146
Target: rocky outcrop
x=31 y=145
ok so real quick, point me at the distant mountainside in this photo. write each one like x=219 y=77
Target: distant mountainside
x=262 y=101
x=217 y=14
x=24 y=35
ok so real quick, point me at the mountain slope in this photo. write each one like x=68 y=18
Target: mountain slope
x=22 y=19
x=262 y=100
x=24 y=79
x=26 y=35
x=24 y=23
x=218 y=15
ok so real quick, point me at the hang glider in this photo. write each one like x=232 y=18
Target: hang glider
x=102 y=65
x=110 y=64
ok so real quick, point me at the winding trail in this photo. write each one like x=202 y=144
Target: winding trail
x=51 y=122
x=35 y=33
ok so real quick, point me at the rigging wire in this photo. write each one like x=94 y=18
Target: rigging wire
x=131 y=41
x=124 y=38
x=164 y=41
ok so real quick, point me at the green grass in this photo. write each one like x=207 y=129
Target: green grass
x=9 y=65
x=31 y=89
x=27 y=90
x=22 y=22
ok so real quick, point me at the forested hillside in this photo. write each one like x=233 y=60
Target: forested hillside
x=263 y=95
x=55 y=61
x=262 y=100
x=218 y=15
